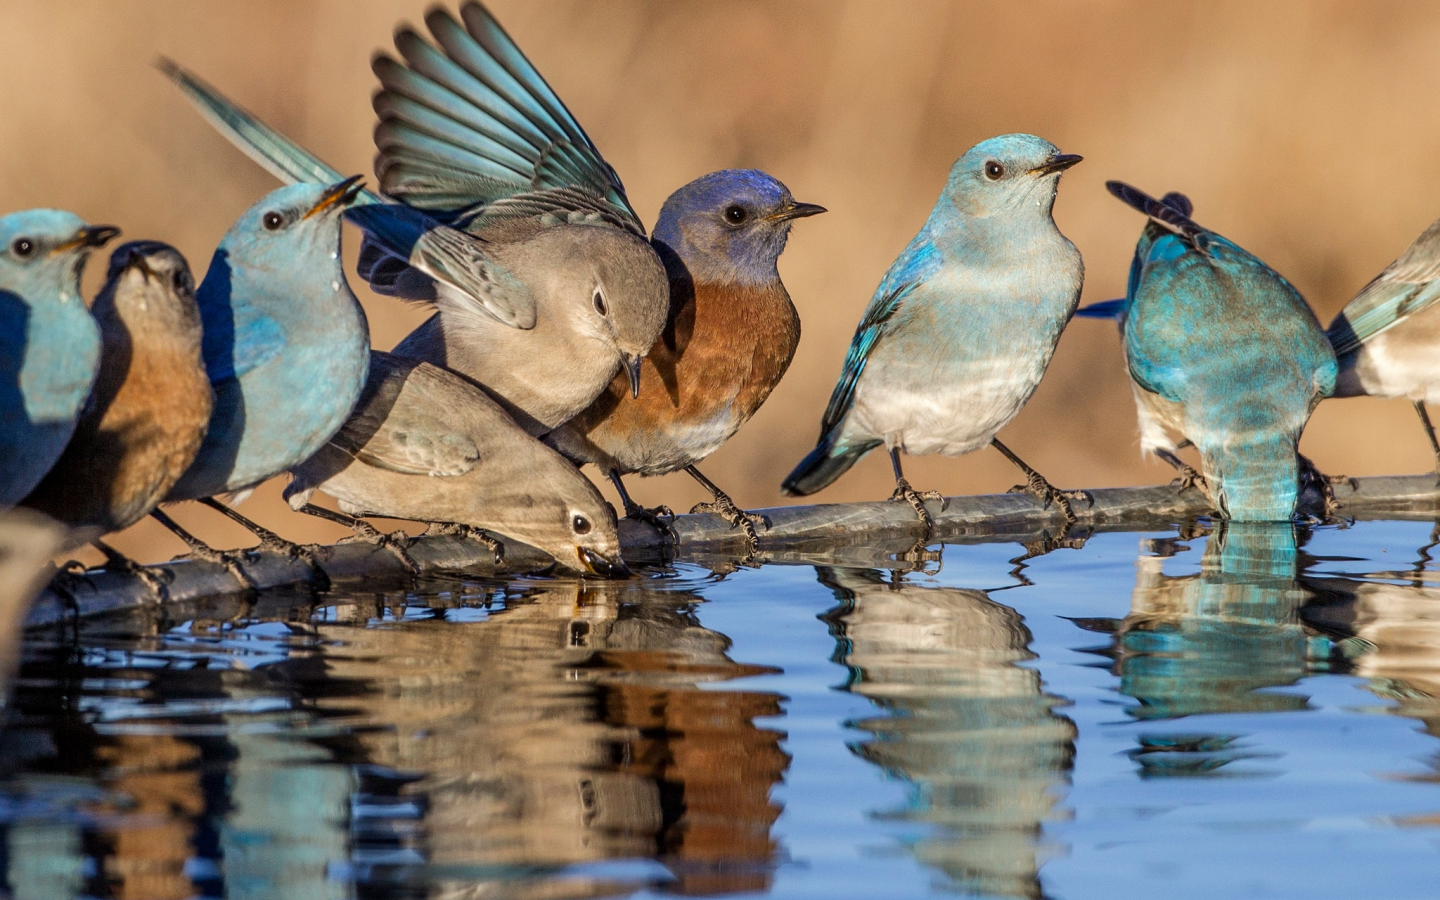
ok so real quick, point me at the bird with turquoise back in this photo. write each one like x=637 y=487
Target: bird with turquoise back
x=962 y=327
x=496 y=208
x=49 y=342
x=1387 y=339
x=1225 y=352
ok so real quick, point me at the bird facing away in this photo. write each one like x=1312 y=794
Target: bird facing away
x=49 y=342
x=1224 y=351
x=962 y=326
x=425 y=444
x=489 y=175
x=151 y=402
x=1386 y=339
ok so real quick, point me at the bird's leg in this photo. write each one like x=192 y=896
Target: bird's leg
x=904 y=493
x=724 y=507
x=1189 y=478
x=470 y=532
x=155 y=580
x=1430 y=433
x=1036 y=486
x=230 y=559
x=1312 y=477
x=661 y=518
x=269 y=540
x=397 y=542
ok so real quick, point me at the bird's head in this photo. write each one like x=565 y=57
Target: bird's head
x=151 y=278
x=730 y=226
x=558 y=510
x=289 y=223
x=1008 y=174
x=43 y=252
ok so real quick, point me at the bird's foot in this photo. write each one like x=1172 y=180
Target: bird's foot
x=497 y=549
x=1046 y=544
x=232 y=560
x=1036 y=486
x=904 y=493
x=155 y=579
x=660 y=518
x=725 y=508
x=1311 y=478
x=1190 y=479
x=270 y=542
x=397 y=542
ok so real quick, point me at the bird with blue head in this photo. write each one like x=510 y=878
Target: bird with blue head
x=1223 y=351
x=962 y=327
x=49 y=342
x=286 y=347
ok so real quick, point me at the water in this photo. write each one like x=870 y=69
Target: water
x=1146 y=716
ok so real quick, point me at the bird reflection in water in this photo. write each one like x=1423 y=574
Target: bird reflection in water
x=1213 y=642
x=973 y=732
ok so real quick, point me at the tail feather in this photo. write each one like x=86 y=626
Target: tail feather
x=822 y=466
x=1255 y=481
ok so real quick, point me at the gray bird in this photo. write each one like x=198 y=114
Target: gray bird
x=425 y=444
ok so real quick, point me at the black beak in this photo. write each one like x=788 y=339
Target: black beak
x=596 y=564
x=632 y=365
x=1058 y=163
x=797 y=210
x=135 y=259
x=338 y=195
x=89 y=237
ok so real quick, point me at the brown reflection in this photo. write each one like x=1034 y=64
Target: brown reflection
x=571 y=727
x=158 y=776
x=972 y=731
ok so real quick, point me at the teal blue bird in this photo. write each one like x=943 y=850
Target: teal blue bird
x=286 y=346
x=49 y=342
x=1223 y=351
x=961 y=328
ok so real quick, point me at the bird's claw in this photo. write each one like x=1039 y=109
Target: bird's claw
x=397 y=542
x=232 y=560
x=310 y=555
x=904 y=493
x=469 y=532
x=747 y=522
x=1190 y=478
x=660 y=518
x=1036 y=486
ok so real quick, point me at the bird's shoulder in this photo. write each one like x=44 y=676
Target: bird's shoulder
x=1406 y=286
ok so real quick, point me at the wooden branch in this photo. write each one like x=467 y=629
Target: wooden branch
x=868 y=534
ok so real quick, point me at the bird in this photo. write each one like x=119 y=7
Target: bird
x=28 y=540
x=483 y=170
x=286 y=349
x=1385 y=339
x=1222 y=350
x=49 y=342
x=729 y=338
x=961 y=328
x=425 y=444
x=151 y=402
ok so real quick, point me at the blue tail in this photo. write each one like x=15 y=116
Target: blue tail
x=1105 y=309
x=821 y=466
x=1254 y=481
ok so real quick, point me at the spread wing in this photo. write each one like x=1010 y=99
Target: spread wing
x=470 y=127
x=1408 y=285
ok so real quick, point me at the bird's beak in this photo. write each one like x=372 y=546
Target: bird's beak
x=632 y=365
x=1058 y=163
x=89 y=237
x=136 y=260
x=596 y=564
x=338 y=195
x=797 y=210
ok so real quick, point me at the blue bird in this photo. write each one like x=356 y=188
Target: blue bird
x=49 y=342
x=1386 y=339
x=286 y=348
x=962 y=326
x=1224 y=351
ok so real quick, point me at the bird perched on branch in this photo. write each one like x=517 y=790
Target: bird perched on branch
x=427 y=445
x=1225 y=352
x=286 y=348
x=1385 y=339
x=962 y=326
x=151 y=402
x=49 y=342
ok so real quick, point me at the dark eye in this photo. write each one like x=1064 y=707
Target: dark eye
x=600 y=306
x=581 y=524
x=735 y=214
x=23 y=247
x=273 y=221
x=994 y=171
x=181 y=281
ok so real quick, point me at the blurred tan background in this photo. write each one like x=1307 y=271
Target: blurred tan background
x=1306 y=131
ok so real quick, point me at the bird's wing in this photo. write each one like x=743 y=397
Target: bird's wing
x=1408 y=285
x=881 y=310
x=388 y=432
x=237 y=339
x=471 y=125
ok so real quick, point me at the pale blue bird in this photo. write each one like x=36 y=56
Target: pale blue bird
x=962 y=327
x=1225 y=352
x=49 y=342
x=286 y=347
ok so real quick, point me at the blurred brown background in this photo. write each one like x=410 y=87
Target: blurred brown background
x=1303 y=130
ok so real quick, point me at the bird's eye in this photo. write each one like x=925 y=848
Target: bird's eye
x=735 y=214
x=181 y=281
x=273 y=221
x=580 y=524
x=994 y=171
x=600 y=305
x=23 y=247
